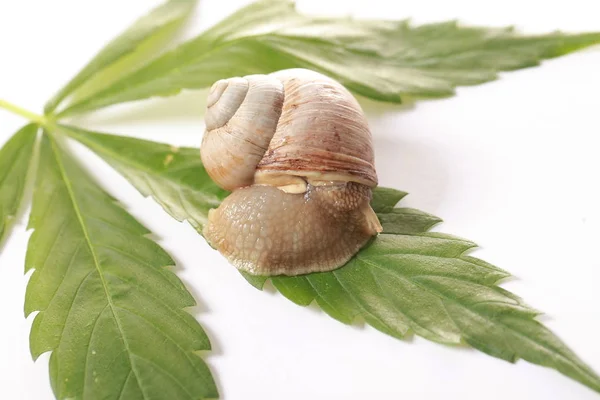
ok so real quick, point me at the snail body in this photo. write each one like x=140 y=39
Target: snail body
x=295 y=148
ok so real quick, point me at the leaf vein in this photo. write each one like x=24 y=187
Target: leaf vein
x=353 y=297
x=187 y=353
x=124 y=385
x=165 y=372
x=151 y=294
x=89 y=344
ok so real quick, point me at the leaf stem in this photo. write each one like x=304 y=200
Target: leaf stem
x=40 y=119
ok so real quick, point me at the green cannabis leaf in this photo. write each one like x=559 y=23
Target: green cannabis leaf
x=124 y=52
x=407 y=280
x=109 y=310
x=383 y=60
x=424 y=282
x=172 y=176
x=15 y=160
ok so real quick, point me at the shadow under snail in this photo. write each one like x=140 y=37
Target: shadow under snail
x=295 y=149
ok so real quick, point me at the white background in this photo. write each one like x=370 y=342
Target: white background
x=513 y=165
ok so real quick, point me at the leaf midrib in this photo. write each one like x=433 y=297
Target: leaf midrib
x=84 y=229
x=125 y=161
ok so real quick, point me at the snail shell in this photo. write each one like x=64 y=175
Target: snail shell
x=295 y=148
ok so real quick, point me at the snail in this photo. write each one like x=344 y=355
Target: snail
x=295 y=149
